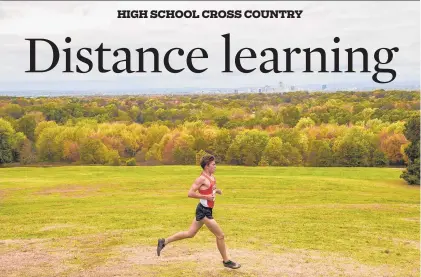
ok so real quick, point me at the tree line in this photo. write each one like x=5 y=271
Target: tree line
x=291 y=129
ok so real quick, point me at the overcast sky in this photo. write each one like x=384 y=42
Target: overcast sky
x=370 y=25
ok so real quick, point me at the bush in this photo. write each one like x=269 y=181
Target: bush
x=412 y=174
x=131 y=162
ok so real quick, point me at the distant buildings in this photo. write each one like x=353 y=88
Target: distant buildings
x=280 y=87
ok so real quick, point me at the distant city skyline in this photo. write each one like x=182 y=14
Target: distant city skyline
x=83 y=90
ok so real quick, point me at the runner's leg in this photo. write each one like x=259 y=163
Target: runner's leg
x=194 y=228
x=220 y=240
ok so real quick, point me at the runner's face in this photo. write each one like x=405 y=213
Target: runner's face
x=212 y=167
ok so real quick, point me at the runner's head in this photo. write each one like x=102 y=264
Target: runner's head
x=208 y=163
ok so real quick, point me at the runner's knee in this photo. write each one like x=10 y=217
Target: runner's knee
x=190 y=234
x=220 y=236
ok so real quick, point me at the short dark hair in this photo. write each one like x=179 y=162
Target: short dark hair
x=206 y=159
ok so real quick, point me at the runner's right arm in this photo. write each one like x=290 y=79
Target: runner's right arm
x=195 y=187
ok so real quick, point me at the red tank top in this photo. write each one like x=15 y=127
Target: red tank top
x=208 y=191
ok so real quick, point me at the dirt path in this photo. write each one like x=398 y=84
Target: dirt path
x=35 y=258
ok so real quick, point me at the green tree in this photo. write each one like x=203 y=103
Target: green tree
x=320 y=153
x=353 y=149
x=222 y=142
x=154 y=153
x=197 y=130
x=304 y=122
x=273 y=153
x=43 y=125
x=183 y=151
x=296 y=138
x=6 y=131
x=247 y=147
x=412 y=132
x=48 y=147
x=292 y=154
x=26 y=125
x=290 y=115
x=93 y=151
x=154 y=134
x=13 y=110
x=11 y=142
x=380 y=159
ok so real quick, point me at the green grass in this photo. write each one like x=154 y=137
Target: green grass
x=367 y=214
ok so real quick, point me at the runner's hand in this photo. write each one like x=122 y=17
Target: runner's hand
x=209 y=197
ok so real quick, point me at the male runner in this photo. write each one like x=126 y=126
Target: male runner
x=206 y=185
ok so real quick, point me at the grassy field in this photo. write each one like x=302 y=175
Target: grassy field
x=105 y=221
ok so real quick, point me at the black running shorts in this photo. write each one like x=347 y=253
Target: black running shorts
x=202 y=211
